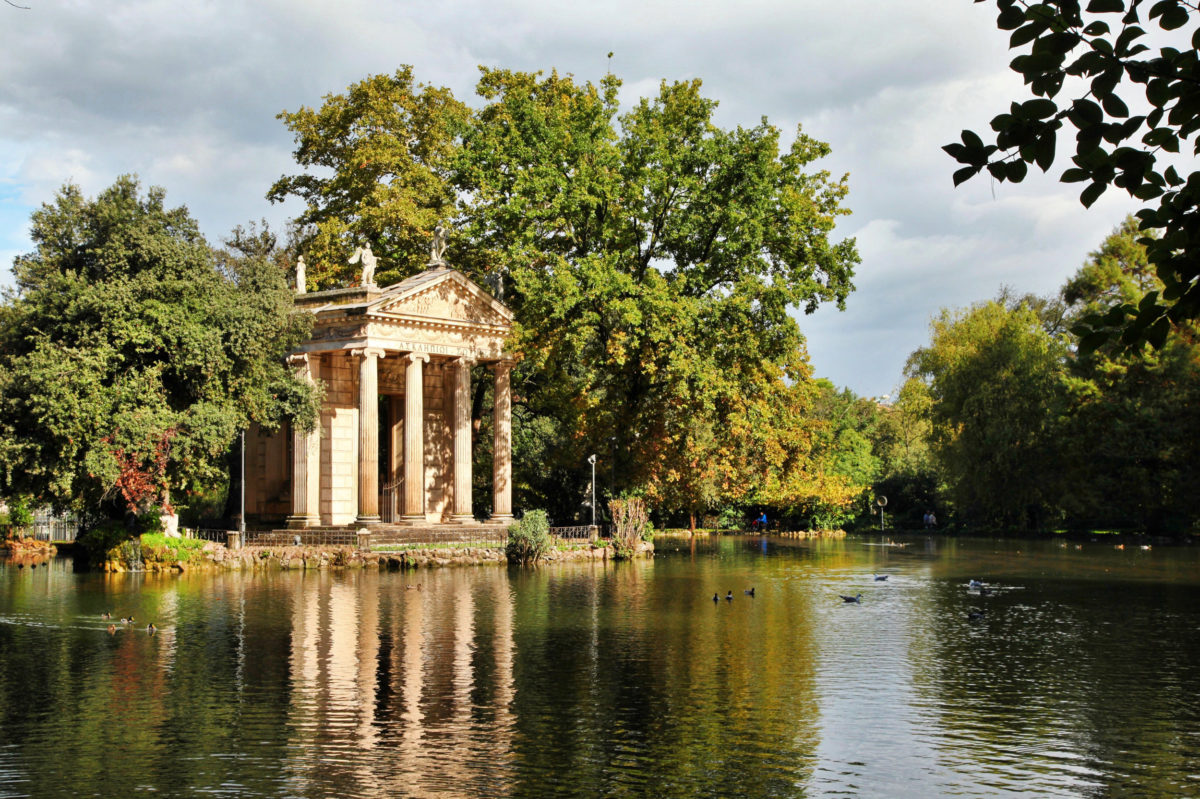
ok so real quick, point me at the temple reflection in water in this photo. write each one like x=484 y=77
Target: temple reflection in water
x=417 y=671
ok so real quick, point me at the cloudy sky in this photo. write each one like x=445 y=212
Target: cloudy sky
x=186 y=94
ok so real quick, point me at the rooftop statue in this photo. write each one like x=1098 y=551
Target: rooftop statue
x=437 y=250
x=300 y=278
x=495 y=281
x=369 y=261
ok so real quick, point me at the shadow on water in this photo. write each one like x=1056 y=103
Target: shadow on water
x=597 y=679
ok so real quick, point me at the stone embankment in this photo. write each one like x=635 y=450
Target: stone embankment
x=217 y=556
x=28 y=547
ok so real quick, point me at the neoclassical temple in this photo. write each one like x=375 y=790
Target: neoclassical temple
x=394 y=440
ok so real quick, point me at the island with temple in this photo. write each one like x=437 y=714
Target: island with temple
x=394 y=443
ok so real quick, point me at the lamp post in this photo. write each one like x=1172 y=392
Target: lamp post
x=881 y=502
x=242 y=498
x=592 y=460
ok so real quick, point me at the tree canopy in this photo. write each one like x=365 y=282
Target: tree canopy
x=1029 y=431
x=131 y=353
x=1104 y=57
x=652 y=259
x=1130 y=435
x=993 y=376
x=382 y=153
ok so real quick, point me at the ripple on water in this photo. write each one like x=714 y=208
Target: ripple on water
x=612 y=681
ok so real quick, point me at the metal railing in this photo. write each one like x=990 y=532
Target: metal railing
x=392 y=538
x=54 y=530
x=577 y=533
x=220 y=536
x=308 y=538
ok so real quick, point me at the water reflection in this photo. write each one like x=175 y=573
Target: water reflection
x=595 y=680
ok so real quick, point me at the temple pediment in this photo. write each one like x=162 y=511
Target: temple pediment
x=443 y=295
x=439 y=311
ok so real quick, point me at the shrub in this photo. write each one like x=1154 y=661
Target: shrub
x=100 y=538
x=150 y=521
x=731 y=517
x=529 y=538
x=631 y=523
x=19 y=513
x=158 y=547
x=830 y=518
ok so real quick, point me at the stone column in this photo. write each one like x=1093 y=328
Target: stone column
x=462 y=441
x=502 y=446
x=414 y=438
x=368 y=434
x=306 y=459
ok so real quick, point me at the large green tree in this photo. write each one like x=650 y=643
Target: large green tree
x=994 y=377
x=1132 y=95
x=1131 y=434
x=131 y=353
x=907 y=475
x=653 y=261
x=380 y=159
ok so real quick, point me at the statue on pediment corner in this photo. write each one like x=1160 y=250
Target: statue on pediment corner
x=369 y=262
x=301 y=279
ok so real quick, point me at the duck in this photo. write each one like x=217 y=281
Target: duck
x=851 y=598
x=879 y=578
x=749 y=592
x=729 y=597
x=716 y=597
x=112 y=629
x=974 y=584
x=150 y=628
x=127 y=621
x=975 y=615
x=106 y=615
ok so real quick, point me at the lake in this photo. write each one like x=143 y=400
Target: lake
x=1079 y=679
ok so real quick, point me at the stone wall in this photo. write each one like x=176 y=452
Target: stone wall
x=217 y=556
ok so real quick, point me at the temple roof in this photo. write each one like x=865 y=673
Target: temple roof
x=397 y=297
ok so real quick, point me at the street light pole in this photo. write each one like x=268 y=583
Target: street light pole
x=592 y=460
x=242 y=500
